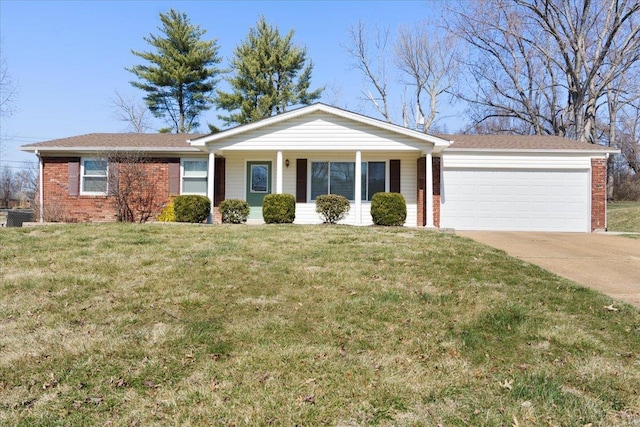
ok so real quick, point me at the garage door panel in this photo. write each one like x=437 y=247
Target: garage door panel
x=536 y=200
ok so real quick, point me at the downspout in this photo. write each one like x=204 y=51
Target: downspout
x=40 y=186
x=606 y=189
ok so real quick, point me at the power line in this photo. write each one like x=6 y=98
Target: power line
x=19 y=161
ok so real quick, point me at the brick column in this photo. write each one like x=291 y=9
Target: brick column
x=598 y=194
x=421 y=193
x=436 y=191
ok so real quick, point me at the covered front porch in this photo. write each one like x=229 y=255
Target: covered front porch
x=321 y=149
x=308 y=173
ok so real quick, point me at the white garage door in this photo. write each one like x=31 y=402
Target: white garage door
x=527 y=200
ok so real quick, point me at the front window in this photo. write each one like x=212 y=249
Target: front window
x=194 y=176
x=339 y=178
x=333 y=178
x=373 y=179
x=94 y=176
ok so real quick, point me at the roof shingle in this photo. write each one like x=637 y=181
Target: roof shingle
x=119 y=140
x=163 y=141
x=519 y=142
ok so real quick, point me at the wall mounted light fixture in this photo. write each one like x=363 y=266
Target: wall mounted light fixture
x=286 y=163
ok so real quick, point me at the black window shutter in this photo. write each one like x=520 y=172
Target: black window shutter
x=301 y=180
x=220 y=173
x=74 y=178
x=394 y=176
x=174 y=176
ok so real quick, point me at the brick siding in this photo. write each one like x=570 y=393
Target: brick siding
x=59 y=205
x=217 y=215
x=598 y=194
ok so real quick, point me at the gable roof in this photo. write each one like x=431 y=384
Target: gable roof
x=149 y=142
x=195 y=143
x=324 y=108
x=502 y=142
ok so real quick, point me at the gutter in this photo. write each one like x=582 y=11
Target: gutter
x=531 y=150
x=175 y=150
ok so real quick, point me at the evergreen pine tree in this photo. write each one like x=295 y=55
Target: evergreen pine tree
x=180 y=75
x=270 y=74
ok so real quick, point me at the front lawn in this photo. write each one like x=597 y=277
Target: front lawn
x=301 y=325
x=623 y=216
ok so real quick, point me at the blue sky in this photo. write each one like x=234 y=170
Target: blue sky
x=68 y=57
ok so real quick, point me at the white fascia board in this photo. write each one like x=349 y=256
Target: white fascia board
x=166 y=150
x=592 y=153
x=436 y=141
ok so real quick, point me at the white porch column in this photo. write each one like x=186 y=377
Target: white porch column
x=210 y=180
x=279 y=173
x=429 y=189
x=358 y=189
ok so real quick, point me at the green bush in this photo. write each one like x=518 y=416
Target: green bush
x=279 y=208
x=168 y=214
x=388 y=209
x=234 y=211
x=192 y=208
x=332 y=207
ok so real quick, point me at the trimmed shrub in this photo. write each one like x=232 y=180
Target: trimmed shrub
x=388 y=209
x=279 y=208
x=192 y=208
x=168 y=214
x=234 y=211
x=332 y=207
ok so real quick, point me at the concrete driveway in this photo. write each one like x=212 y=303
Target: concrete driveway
x=605 y=262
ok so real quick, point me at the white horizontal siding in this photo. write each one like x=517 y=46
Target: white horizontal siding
x=305 y=212
x=320 y=131
x=452 y=160
x=236 y=172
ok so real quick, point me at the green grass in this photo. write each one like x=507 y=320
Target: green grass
x=624 y=216
x=301 y=325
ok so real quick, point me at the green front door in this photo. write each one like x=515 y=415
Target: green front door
x=258 y=185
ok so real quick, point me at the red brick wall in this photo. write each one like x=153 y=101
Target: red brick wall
x=598 y=194
x=436 y=191
x=60 y=206
x=217 y=215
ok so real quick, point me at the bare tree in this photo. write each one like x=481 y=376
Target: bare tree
x=8 y=186
x=629 y=139
x=8 y=90
x=370 y=55
x=547 y=63
x=27 y=178
x=427 y=59
x=131 y=111
x=131 y=187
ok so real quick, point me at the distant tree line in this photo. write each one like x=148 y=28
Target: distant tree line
x=18 y=187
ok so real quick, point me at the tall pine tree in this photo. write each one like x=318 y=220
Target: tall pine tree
x=180 y=76
x=270 y=74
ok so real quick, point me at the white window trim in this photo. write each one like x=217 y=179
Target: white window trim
x=205 y=174
x=386 y=178
x=309 y=177
x=83 y=176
